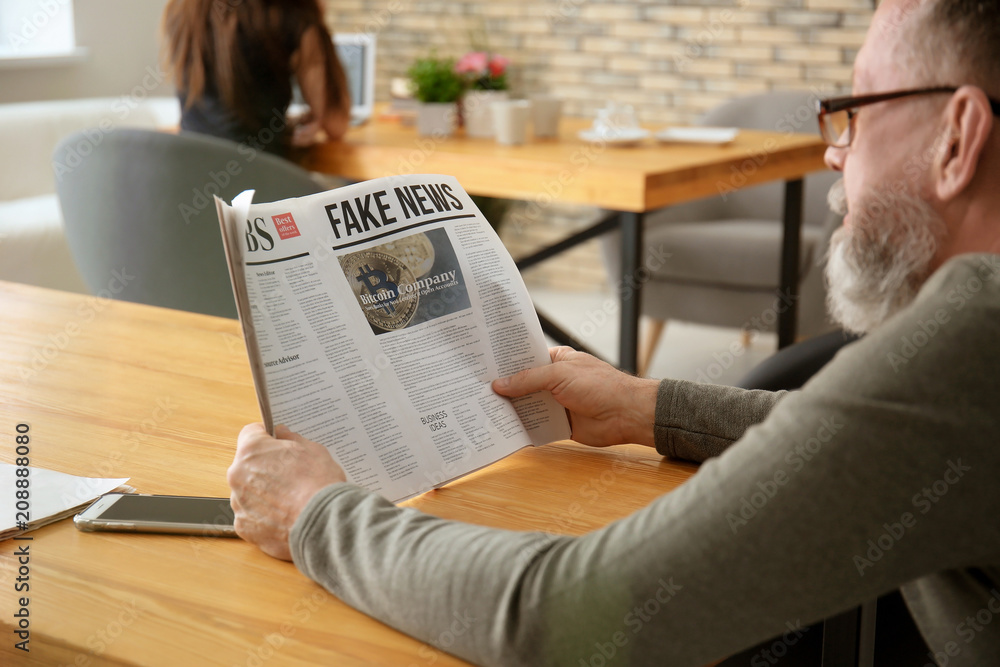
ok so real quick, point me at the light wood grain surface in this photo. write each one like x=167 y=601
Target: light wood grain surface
x=640 y=178
x=115 y=389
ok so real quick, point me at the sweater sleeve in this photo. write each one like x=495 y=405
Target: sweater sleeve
x=698 y=421
x=879 y=473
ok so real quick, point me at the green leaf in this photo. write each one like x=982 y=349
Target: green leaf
x=434 y=79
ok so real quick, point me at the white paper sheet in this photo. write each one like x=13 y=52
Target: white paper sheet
x=51 y=496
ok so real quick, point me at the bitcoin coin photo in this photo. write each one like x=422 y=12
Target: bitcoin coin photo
x=375 y=278
x=416 y=251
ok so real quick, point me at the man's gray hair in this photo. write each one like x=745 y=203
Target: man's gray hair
x=959 y=41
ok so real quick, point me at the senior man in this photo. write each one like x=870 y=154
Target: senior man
x=881 y=470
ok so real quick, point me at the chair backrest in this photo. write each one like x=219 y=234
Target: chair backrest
x=779 y=111
x=139 y=215
x=30 y=131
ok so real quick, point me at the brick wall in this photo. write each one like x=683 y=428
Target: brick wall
x=671 y=61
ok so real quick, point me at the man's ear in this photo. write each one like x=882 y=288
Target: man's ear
x=968 y=121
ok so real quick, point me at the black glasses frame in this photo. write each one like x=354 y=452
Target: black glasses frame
x=852 y=104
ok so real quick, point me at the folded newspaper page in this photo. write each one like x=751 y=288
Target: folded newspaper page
x=376 y=316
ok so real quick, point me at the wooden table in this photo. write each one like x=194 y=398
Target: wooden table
x=630 y=181
x=118 y=389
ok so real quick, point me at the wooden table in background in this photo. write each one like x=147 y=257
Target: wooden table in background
x=115 y=389
x=628 y=180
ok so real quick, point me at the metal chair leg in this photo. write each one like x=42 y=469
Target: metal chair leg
x=849 y=639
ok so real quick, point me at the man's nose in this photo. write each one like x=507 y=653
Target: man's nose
x=834 y=158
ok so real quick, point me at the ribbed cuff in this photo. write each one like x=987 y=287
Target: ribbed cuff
x=666 y=394
x=314 y=514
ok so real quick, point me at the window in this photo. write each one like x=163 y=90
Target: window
x=36 y=29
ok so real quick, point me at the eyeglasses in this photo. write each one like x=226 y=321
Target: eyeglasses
x=836 y=114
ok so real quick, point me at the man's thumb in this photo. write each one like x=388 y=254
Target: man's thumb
x=521 y=384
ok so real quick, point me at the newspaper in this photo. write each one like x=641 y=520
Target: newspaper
x=376 y=316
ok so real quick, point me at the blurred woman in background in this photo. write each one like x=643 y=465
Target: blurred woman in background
x=233 y=62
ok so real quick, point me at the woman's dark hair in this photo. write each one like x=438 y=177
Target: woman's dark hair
x=222 y=46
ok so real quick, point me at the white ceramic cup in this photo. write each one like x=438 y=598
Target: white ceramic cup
x=510 y=121
x=545 y=114
x=615 y=119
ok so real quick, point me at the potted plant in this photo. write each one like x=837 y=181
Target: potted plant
x=485 y=78
x=437 y=87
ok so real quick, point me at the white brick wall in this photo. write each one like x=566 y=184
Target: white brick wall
x=763 y=44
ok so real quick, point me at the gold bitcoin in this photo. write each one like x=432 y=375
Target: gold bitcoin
x=383 y=285
x=415 y=250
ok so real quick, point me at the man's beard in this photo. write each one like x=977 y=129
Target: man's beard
x=875 y=266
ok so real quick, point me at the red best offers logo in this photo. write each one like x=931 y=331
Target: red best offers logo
x=286 y=226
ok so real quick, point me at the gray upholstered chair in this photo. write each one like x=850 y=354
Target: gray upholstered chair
x=139 y=215
x=725 y=251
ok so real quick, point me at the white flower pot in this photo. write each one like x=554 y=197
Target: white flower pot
x=436 y=119
x=477 y=113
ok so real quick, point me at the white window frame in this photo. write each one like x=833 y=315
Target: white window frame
x=37 y=33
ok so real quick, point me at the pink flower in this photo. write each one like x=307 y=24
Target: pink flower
x=474 y=62
x=498 y=65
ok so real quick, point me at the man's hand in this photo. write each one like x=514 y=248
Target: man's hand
x=606 y=406
x=272 y=480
